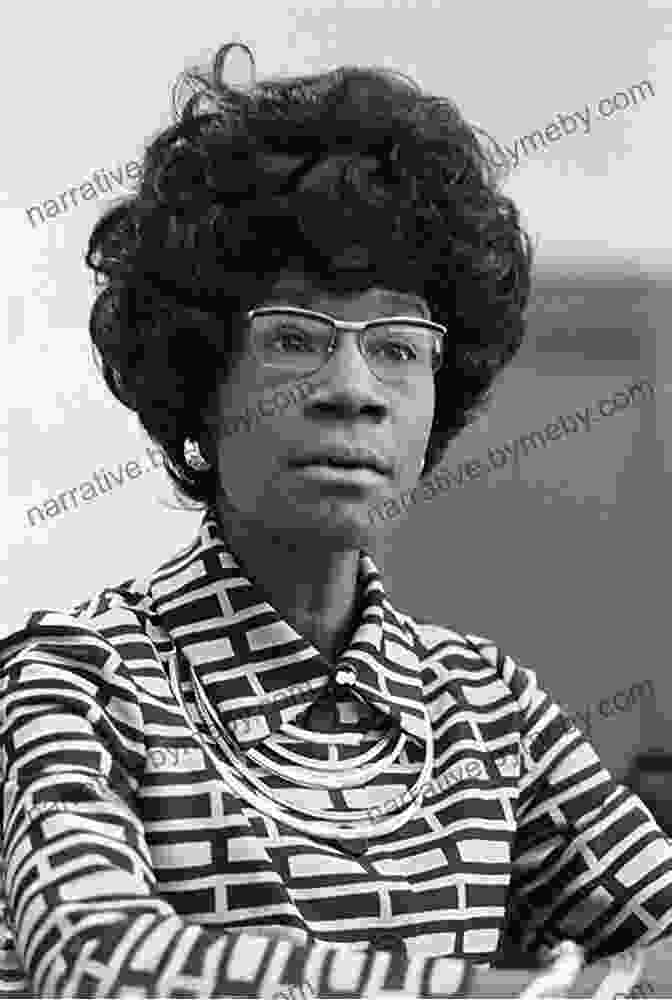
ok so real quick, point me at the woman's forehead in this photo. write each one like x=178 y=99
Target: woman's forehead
x=298 y=288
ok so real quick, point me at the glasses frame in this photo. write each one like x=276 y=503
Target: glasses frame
x=358 y=327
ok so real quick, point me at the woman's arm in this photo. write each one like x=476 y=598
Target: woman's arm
x=81 y=891
x=590 y=862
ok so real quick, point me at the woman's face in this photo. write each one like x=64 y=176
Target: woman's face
x=344 y=405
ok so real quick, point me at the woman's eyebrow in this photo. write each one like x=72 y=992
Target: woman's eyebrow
x=305 y=298
x=404 y=302
x=290 y=296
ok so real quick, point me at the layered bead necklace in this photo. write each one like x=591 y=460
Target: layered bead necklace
x=349 y=825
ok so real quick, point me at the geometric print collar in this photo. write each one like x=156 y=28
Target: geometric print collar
x=260 y=673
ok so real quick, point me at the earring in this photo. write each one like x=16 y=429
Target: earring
x=193 y=456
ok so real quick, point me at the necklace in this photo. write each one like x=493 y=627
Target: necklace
x=352 y=776
x=354 y=824
x=330 y=766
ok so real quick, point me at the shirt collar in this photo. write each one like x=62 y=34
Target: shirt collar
x=256 y=668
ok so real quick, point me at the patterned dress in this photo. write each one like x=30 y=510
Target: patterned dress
x=132 y=867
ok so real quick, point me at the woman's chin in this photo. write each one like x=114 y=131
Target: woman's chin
x=341 y=525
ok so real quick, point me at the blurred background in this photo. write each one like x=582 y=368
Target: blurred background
x=562 y=558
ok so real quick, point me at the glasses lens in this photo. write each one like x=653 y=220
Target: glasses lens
x=402 y=350
x=285 y=340
x=395 y=351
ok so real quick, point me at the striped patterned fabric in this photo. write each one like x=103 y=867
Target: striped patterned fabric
x=131 y=869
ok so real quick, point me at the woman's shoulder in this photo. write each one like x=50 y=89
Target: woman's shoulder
x=442 y=642
x=472 y=658
x=77 y=631
x=82 y=670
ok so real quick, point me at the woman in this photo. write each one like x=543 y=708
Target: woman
x=307 y=298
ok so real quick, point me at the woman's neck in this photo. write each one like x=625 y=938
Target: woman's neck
x=313 y=587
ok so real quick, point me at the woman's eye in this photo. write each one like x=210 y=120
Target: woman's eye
x=292 y=340
x=398 y=351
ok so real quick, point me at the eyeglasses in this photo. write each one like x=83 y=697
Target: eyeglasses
x=396 y=348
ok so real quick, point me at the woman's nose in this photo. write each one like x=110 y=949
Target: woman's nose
x=346 y=380
x=347 y=363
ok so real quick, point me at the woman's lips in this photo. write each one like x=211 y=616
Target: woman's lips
x=345 y=457
x=332 y=473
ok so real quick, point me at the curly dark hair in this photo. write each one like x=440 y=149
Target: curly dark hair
x=248 y=178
